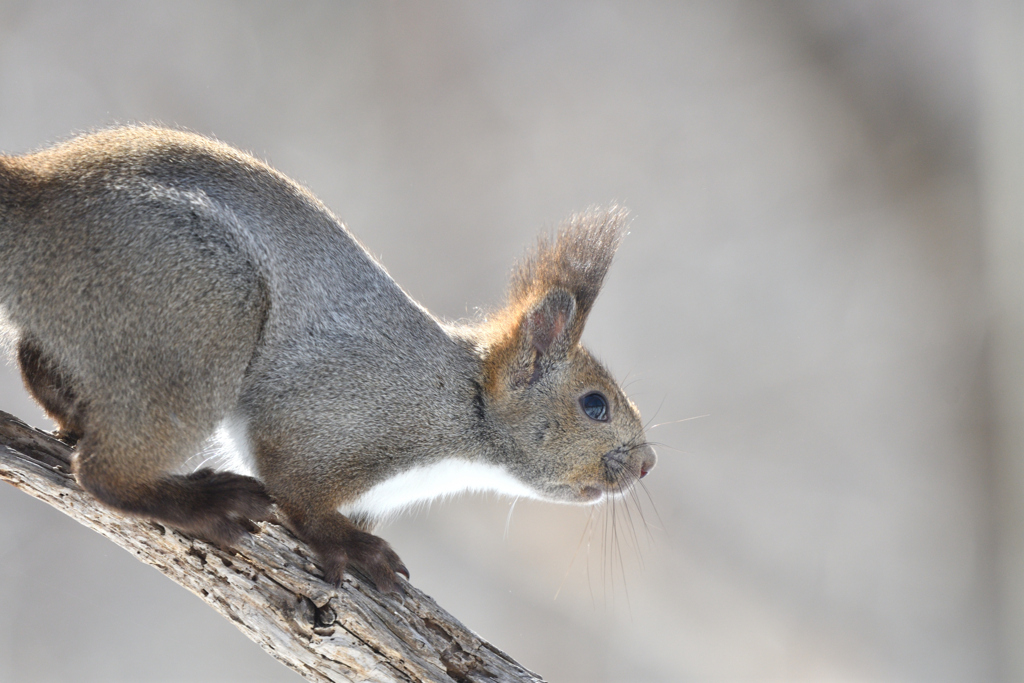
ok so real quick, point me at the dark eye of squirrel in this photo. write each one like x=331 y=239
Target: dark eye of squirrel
x=595 y=406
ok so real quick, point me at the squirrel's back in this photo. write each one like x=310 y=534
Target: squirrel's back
x=148 y=188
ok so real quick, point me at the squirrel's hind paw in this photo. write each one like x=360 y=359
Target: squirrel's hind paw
x=220 y=507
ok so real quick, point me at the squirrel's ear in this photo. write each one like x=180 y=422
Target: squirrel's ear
x=541 y=336
x=547 y=325
x=573 y=265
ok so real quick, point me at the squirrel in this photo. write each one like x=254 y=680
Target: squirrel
x=157 y=283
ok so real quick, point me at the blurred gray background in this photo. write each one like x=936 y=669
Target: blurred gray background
x=825 y=262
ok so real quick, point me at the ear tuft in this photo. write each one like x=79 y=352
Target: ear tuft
x=575 y=260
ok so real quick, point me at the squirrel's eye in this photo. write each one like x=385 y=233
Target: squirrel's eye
x=595 y=406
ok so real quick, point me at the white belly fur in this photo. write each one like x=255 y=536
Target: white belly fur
x=232 y=446
x=425 y=483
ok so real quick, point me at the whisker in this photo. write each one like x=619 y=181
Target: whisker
x=574 y=554
x=653 y=505
x=191 y=458
x=627 y=385
x=640 y=511
x=661 y=444
x=632 y=530
x=622 y=565
x=206 y=459
x=660 y=405
x=673 y=422
x=508 y=520
x=590 y=538
x=609 y=546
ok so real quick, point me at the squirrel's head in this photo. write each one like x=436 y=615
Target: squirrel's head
x=576 y=437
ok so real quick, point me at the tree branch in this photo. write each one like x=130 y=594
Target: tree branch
x=269 y=586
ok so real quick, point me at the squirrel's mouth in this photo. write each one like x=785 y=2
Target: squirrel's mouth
x=591 y=494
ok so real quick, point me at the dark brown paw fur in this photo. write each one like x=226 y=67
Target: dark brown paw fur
x=371 y=554
x=219 y=506
x=338 y=542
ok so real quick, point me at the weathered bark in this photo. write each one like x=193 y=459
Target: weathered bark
x=270 y=588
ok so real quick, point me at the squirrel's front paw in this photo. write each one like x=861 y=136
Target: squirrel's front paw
x=372 y=554
x=338 y=542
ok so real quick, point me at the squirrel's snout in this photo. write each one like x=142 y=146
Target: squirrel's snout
x=621 y=463
x=650 y=459
x=622 y=468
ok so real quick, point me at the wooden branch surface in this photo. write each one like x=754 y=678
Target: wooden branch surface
x=270 y=587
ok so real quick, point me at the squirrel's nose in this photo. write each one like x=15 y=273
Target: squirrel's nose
x=650 y=459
